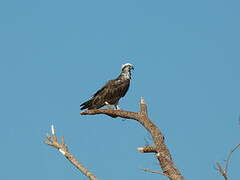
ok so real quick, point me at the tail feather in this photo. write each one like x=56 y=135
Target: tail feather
x=86 y=105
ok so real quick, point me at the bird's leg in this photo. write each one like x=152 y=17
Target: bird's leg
x=108 y=105
x=117 y=106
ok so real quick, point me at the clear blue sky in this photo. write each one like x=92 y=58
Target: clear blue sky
x=55 y=54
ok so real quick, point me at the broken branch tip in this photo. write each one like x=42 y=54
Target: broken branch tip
x=142 y=101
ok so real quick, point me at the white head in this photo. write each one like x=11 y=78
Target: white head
x=126 y=70
x=127 y=66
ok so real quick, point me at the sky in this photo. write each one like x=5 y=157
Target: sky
x=56 y=54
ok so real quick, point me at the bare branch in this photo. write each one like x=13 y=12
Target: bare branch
x=112 y=113
x=229 y=157
x=224 y=171
x=162 y=152
x=221 y=171
x=62 y=147
x=147 y=149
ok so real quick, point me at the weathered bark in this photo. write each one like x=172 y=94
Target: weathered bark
x=159 y=147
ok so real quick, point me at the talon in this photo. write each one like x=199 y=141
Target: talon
x=117 y=106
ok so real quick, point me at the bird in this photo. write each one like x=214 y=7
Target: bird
x=112 y=91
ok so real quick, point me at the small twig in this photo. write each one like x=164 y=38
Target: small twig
x=224 y=171
x=147 y=149
x=229 y=156
x=156 y=172
x=221 y=171
x=53 y=130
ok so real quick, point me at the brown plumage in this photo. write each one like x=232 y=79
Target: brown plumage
x=112 y=91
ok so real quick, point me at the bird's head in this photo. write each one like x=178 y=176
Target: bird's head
x=127 y=67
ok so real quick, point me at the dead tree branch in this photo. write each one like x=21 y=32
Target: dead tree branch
x=147 y=149
x=62 y=147
x=224 y=171
x=160 y=148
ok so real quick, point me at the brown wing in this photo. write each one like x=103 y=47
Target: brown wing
x=111 y=93
x=118 y=88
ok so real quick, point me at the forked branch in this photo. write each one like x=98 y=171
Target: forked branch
x=159 y=147
x=62 y=147
x=224 y=171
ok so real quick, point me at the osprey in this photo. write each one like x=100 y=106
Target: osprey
x=112 y=91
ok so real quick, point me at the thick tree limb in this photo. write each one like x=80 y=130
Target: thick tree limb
x=162 y=152
x=62 y=147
